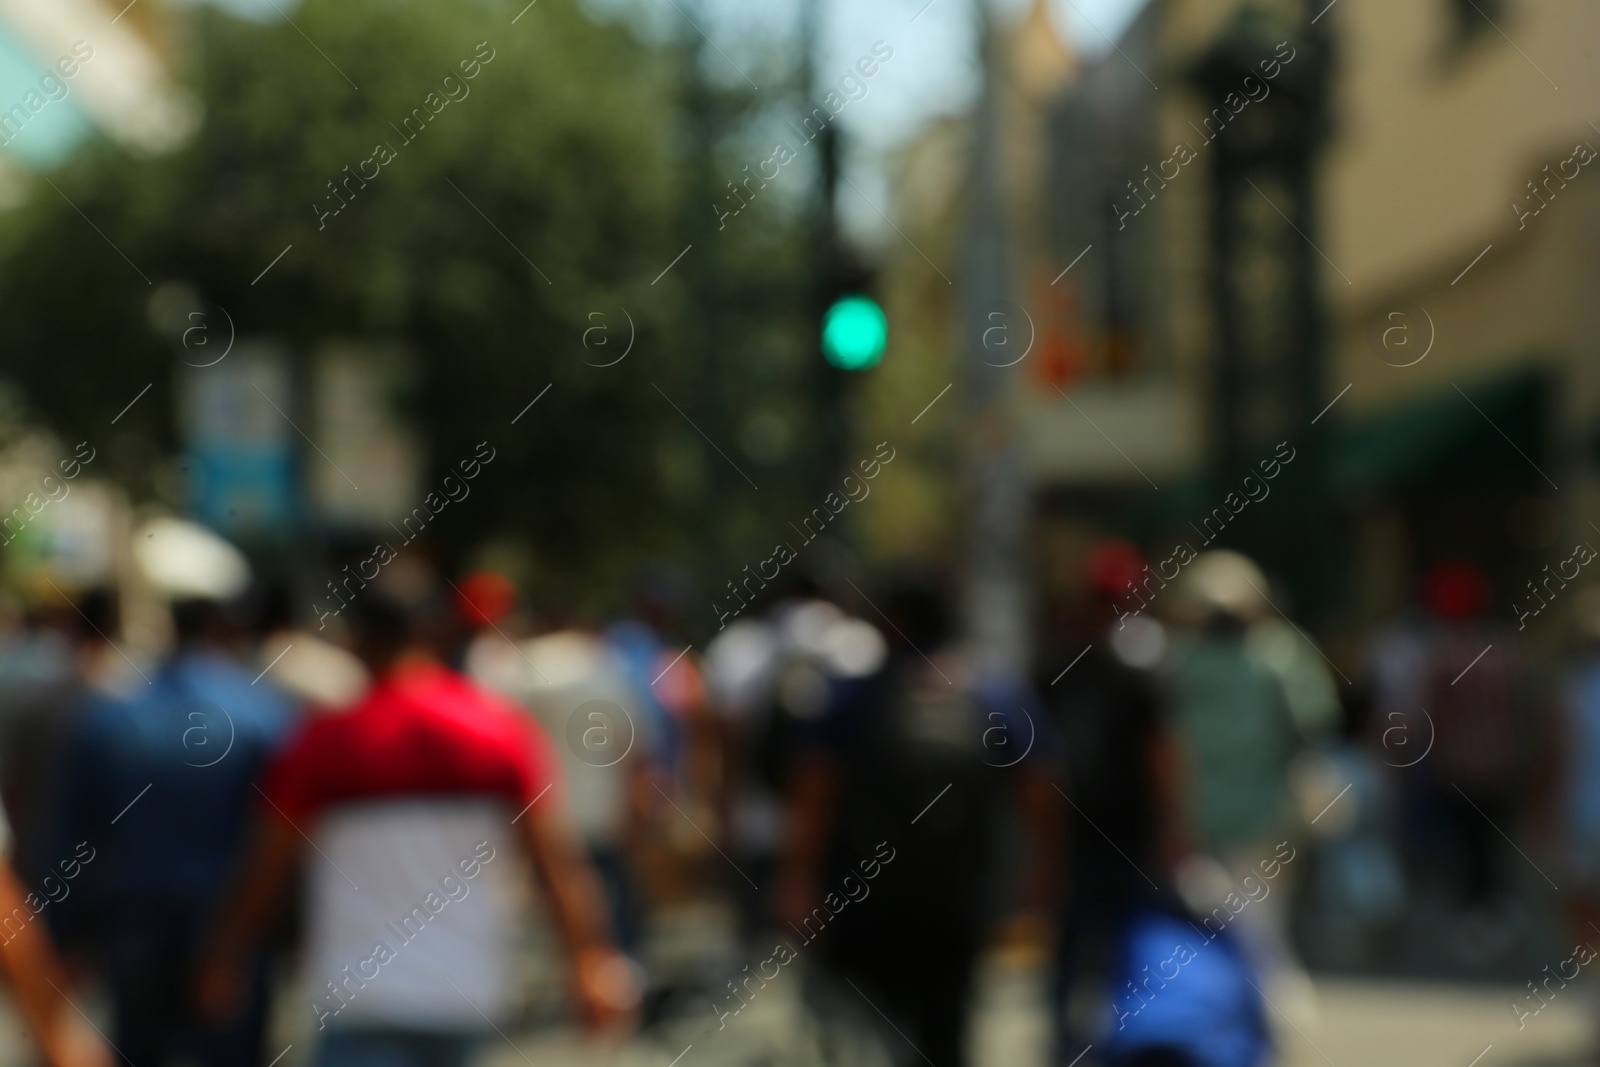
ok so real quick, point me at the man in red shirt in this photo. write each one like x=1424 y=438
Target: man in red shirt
x=410 y=802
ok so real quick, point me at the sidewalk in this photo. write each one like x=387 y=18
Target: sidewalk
x=1363 y=1024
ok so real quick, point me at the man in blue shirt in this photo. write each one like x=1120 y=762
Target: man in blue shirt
x=159 y=781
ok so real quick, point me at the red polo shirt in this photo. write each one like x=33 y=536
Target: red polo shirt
x=420 y=731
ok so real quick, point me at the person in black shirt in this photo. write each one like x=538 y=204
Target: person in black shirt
x=894 y=802
x=1116 y=770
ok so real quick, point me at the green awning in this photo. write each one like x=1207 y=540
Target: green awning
x=1460 y=429
x=1438 y=434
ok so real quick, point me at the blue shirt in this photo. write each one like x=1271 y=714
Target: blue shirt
x=639 y=649
x=160 y=781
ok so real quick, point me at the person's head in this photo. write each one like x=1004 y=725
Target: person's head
x=658 y=594
x=43 y=605
x=195 y=570
x=97 y=615
x=799 y=581
x=918 y=608
x=267 y=606
x=1112 y=571
x=382 y=627
x=1224 y=591
x=196 y=620
x=484 y=598
x=807 y=586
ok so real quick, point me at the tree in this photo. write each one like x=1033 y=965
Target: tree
x=487 y=190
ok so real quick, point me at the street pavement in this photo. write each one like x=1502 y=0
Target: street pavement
x=1360 y=1023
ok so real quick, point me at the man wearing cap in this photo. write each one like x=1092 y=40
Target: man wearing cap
x=1236 y=728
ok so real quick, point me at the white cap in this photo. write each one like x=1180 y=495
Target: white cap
x=184 y=560
x=1228 y=583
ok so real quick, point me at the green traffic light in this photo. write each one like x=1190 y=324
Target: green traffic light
x=854 y=333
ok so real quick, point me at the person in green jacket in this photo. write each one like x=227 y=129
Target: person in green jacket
x=1236 y=728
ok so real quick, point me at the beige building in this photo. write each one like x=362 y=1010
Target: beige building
x=1454 y=222
x=1397 y=199
x=1454 y=200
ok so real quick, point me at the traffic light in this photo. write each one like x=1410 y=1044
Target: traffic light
x=854 y=332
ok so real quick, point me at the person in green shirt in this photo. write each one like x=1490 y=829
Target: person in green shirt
x=1238 y=734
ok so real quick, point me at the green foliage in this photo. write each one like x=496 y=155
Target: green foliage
x=577 y=146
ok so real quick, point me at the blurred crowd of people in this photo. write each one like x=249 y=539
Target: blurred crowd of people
x=374 y=804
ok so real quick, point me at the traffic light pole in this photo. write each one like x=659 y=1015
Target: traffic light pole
x=832 y=391
x=995 y=606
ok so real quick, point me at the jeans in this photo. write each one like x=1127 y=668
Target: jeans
x=386 y=1047
x=150 y=957
x=622 y=898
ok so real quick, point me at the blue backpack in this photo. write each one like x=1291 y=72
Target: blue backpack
x=1182 y=996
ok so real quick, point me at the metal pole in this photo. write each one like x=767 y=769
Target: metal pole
x=995 y=603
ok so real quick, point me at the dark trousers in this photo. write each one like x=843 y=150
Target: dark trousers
x=1475 y=826
x=920 y=986
x=151 y=967
x=927 y=1002
x=394 y=1047
x=623 y=907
